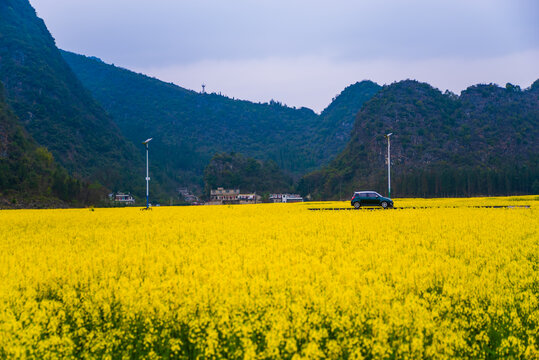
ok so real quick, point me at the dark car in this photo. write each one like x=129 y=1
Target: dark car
x=370 y=198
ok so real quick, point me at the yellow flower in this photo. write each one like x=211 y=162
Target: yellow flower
x=441 y=280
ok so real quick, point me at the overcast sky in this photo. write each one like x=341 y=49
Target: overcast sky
x=304 y=52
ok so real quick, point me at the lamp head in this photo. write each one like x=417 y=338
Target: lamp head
x=388 y=135
x=147 y=141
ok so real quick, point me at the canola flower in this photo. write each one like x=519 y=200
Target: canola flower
x=271 y=281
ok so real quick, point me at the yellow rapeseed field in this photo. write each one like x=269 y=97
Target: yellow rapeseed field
x=272 y=281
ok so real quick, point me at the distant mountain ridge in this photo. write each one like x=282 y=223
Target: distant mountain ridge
x=483 y=142
x=195 y=126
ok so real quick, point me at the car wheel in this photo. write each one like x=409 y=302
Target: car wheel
x=357 y=205
x=384 y=204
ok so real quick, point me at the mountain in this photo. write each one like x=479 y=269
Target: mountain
x=192 y=126
x=235 y=171
x=54 y=107
x=483 y=142
x=195 y=126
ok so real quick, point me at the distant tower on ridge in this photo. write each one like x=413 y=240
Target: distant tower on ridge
x=203 y=88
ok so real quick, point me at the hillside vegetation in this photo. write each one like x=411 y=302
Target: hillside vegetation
x=336 y=122
x=29 y=175
x=235 y=171
x=484 y=141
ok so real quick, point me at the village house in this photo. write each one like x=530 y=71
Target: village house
x=249 y=198
x=121 y=198
x=285 y=198
x=187 y=195
x=222 y=196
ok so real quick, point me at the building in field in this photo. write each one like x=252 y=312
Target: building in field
x=292 y=198
x=186 y=195
x=249 y=198
x=285 y=198
x=122 y=199
x=222 y=196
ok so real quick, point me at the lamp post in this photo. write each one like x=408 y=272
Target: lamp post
x=145 y=143
x=388 y=165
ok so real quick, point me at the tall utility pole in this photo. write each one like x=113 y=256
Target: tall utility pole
x=388 y=165
x=145 y=143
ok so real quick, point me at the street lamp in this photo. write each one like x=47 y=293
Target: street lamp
x=388 y=165
x=145 y=143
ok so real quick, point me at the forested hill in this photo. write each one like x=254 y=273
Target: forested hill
x=193 y=126
x=29 y=175
x=54 y=107
x=483 y=142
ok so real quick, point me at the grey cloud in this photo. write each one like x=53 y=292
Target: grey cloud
x=165 y=32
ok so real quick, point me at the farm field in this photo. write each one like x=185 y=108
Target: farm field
x=272 y=281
